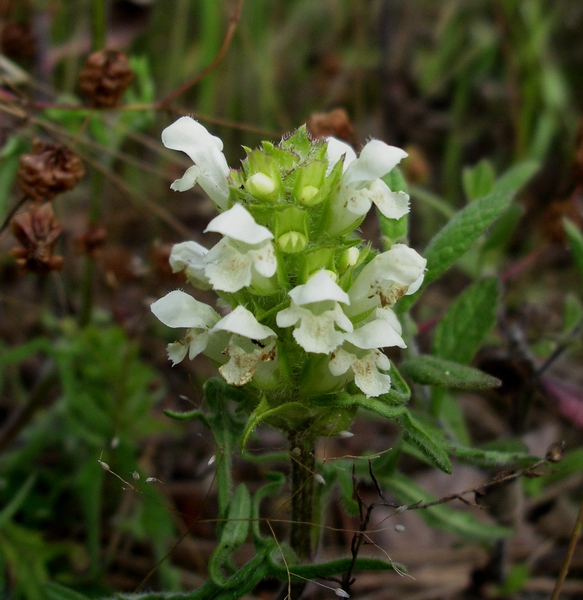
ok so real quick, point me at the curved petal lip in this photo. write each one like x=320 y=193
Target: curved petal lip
x=238 y=224
x=318 y=289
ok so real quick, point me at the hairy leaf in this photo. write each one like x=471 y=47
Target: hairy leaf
x=465 y=326
x=431 y=370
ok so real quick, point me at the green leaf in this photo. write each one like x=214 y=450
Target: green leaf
x=233 y=534
x=478 y=180
x=277 y=481
x=443 y=517
x=465 y=326
x=334 y=567
x=462 y=231
x=490 y=459
x=414 y=434
x=346 y=400
x=575 y=242
x=227 y=430
x=517 y=176
x=431 y=370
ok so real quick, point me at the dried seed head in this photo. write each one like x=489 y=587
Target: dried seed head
x=49 y=170
x=105 y=78
x=18 y=40
x=37 y=230
x=334 y=123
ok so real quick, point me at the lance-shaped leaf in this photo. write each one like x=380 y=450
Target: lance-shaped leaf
x=462 y=231
x=575 y=242
x=431 y=370
x=416 y=435
x=465 y=326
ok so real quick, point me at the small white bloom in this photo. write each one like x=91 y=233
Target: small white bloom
x=245 y=351
x=244 y=256
x=210 y=168
x=382 y=331
x=242 y=322
x=366 y=367
x=315 y=307
x=361 y=185
x=190 y=258
x=386 y=278
x=178 y=309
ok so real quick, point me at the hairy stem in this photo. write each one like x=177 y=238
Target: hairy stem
x=302 y=452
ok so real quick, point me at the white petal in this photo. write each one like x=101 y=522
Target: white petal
x=376 y=160
x=177 y=351
x=368 y=378
x=376 y=334
x=388 y=275
x=187 y=255
x=238 y=224
x=392 y=205
x=178 y=309
x=335 y=151
x=264 y=260
x=205 y=151
x=319 y=288
x=190 y=257
x=187 y=181
x=317 y=334
x=289 y=316
x=243 y=322
x=197 y=342
x=340 y=362
x=389 y=315
x=228 y=269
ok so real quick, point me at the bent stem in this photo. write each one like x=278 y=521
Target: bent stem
x=302 y=536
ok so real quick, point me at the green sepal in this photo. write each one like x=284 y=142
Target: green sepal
x=431 y=370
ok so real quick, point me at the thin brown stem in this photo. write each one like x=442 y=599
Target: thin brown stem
x=570 y=551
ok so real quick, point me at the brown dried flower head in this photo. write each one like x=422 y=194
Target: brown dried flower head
x=105 y=78
x=335 y=123
x=48 y=170
x=37 y=230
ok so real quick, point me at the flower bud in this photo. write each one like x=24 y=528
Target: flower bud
x=261 y=186
x=292 y=242
x=307 y=193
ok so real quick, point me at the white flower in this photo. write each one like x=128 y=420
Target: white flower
x=245 y=349
x=315 y=307
x=366 y=368
x=381 y=331
x=244 y=256
x=386 y=278
x=361 y=185
x=178 y=309
x=210 y=168
x=190 y=258
x=361 y=353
